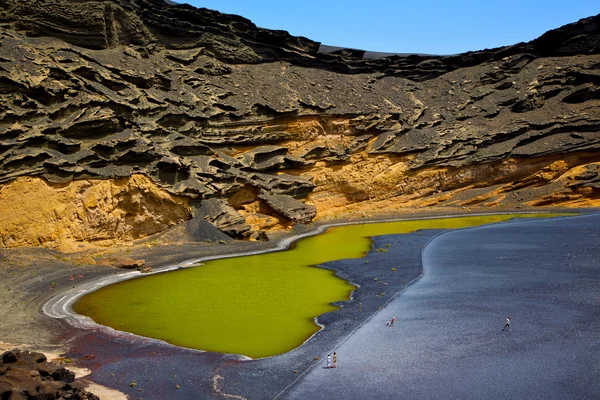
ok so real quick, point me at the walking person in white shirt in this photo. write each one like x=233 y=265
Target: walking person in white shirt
x=507 y=324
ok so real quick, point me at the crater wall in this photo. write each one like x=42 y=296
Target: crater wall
x=167 y=111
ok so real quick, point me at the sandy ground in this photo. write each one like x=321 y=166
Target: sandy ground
x=30 y=276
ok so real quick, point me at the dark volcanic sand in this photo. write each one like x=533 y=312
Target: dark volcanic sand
x=158 y=368
x=448 y=343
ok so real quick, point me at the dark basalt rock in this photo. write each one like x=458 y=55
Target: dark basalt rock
x=589 y=178
x=581 y=37
x=233 y=39
x=28 y=375
x=223 y=217
x=206 y=103
x=268 y=158
x=122 y=262
x=198 y=229
x=295 y=186
x=324 y=153
x=289 y=207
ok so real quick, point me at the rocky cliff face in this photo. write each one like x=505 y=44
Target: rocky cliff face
x=70 y=216
x=259 y=130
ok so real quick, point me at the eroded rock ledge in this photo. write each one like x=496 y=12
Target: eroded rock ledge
x=206 y=111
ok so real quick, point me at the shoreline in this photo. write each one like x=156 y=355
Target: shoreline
x=544 y=273
x=237 y=376
x=60 y=334
x=60 y=306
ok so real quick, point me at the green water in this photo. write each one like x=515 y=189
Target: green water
x=258 y=305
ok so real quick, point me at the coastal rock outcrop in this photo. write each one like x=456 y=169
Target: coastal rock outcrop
x=123 y=262
x=224 y=217
x=290 y=208
x=223 y=120
x=29 y=375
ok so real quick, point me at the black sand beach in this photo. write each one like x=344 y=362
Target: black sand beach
x=157 y=368
x=447 y=338
x=448 y=343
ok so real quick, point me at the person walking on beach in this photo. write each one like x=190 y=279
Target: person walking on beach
x=507 y=324
x=334 y=360
x=328 y=361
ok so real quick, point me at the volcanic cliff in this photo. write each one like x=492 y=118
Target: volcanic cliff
x=121 y=118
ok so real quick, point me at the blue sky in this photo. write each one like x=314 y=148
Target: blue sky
x=435 y=26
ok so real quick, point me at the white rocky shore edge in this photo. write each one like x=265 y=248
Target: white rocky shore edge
x=60 y=306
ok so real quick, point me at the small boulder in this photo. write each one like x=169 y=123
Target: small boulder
x=289 y=207
x=63 y=375
x=9 y=356
x=224 y=217
x=260 y=236
x=121 y=262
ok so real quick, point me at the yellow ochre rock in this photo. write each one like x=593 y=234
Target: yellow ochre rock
x=72 y=216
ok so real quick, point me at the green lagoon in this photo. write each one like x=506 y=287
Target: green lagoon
x=257 y=306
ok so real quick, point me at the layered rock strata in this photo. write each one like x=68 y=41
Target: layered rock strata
x=257 y=130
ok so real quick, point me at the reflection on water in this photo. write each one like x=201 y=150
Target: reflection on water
x=258 y=305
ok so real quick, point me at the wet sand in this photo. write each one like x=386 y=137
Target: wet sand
x=164 y=371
